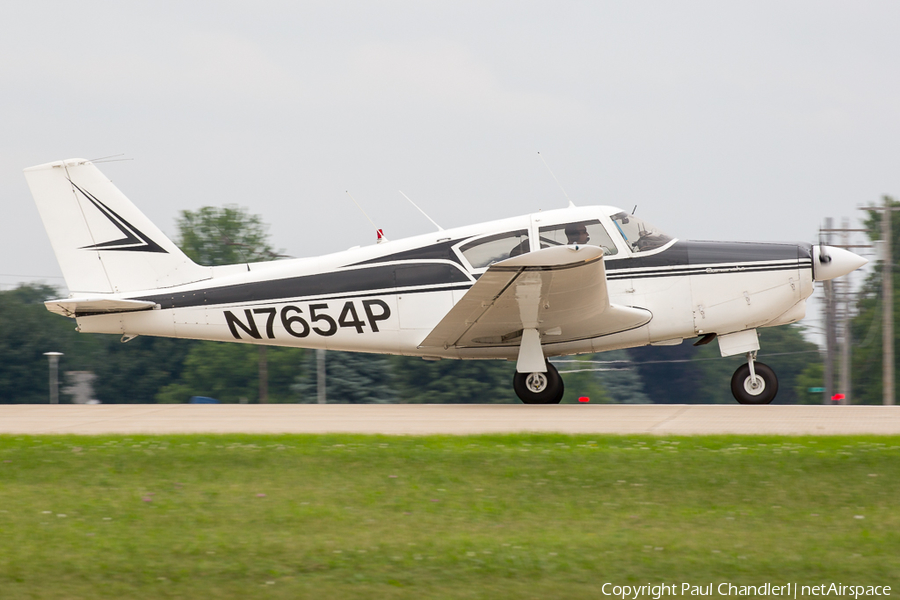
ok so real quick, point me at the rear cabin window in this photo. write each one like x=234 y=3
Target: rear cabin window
x=583 y=233
x=488 y=250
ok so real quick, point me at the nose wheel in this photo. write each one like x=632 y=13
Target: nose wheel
x=754 y=383
x=539 y=388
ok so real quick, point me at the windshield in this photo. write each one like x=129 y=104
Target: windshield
x=639 y=235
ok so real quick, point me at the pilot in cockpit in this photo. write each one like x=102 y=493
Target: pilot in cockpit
x=577 y=233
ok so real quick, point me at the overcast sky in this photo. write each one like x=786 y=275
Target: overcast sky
x=719 y=120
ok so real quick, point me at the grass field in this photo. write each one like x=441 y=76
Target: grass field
x=512 y=516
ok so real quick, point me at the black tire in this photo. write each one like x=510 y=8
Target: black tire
x=551 y=393
x=743 y=390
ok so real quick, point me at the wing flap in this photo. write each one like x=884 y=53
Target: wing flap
x=71 y=307
x=560 y=291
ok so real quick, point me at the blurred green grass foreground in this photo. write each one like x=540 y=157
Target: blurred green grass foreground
x=501 y=516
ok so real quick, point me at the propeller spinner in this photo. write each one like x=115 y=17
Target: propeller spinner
x=830 y=262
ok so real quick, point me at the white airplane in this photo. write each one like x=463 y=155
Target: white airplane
x=554 y=283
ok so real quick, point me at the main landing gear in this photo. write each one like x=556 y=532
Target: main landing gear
x=539 y=388
x=754 y=382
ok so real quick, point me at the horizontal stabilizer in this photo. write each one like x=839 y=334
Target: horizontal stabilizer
x=560 y=291
x=70 y=307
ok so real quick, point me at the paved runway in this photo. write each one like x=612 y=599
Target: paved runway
x=454 y=419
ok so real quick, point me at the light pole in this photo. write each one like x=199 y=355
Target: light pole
x=53 y=358
x=320 y=376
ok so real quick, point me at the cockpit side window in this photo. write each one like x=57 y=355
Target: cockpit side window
x=639 y=235
x=583 y=233
x=487 y=250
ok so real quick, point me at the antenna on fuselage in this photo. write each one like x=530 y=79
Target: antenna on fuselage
x=571 y=204
x=378 y=232
x=421 y=211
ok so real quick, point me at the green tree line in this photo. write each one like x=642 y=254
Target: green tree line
x=150 y=370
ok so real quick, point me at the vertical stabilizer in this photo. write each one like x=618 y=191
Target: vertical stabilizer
x=103 y=243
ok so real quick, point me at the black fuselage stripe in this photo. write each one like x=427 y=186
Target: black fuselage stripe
x=366 y=281
x=692 y=272
x=707 y=271
x=707 y=265
x=419 y=276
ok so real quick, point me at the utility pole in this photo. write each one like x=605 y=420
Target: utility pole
x=845 y=324
x=830 y=334
x=887 y=291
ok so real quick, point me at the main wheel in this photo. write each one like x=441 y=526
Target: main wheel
x=539 y=388
x=760 y=391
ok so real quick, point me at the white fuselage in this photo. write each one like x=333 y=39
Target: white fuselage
x=386 y=298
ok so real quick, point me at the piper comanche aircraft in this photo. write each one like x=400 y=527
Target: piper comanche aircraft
x=554 y=283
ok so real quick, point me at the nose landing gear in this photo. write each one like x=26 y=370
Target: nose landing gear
x=539 y=388
x=754 y=382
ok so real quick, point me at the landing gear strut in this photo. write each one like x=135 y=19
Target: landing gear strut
x=754 y=382
x=539 y=388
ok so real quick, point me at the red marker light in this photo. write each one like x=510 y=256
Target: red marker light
x=584 y=399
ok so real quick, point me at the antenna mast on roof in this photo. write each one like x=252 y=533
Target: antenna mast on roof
x=378 y=232
x=571 y=204
x=421 y=211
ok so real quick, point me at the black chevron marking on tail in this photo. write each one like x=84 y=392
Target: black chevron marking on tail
x=133 y=241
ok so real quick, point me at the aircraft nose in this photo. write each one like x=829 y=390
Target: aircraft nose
x=830 y=262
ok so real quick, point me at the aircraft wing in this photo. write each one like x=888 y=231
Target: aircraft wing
x=560 y=291
x=70 y=307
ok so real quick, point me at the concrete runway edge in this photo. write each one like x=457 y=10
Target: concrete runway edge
x=453 y=419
